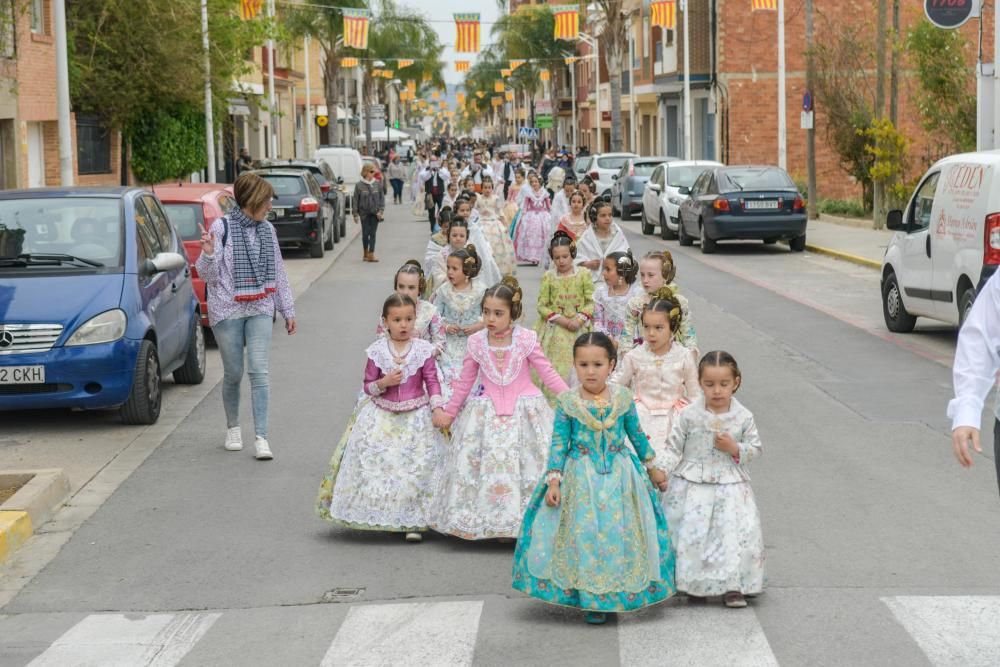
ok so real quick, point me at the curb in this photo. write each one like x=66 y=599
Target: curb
x=42 y=493
x=845 y=256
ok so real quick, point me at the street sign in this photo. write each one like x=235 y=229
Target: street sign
x=807 y=120
x=322 y=121
x=376 y=110
x=950 y=13
x=528 y=133
x=543 y=122
x=807 y=101
x=543 y=108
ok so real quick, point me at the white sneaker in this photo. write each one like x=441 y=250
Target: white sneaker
x=234 y=439
x=263 y=452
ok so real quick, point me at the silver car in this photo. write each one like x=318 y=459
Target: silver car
x=630 y=183
x=601 y=168
x=661 y=198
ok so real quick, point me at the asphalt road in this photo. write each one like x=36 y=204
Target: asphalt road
x=881 y=550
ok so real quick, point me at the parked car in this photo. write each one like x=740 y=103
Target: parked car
x=346 y=163
x=602 y=167
x=329 y=183
x=661 y=199
x=749 y=202
x=189 y=206
x=581 y=165
x=946 y=243
x=98 y=302
x=301 y=216
x=629 y=183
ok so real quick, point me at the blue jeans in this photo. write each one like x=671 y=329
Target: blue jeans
x=255 y=334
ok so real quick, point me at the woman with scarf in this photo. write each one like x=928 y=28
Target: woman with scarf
x=242 y=268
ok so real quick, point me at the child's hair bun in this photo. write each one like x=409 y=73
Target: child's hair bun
x=414 y=262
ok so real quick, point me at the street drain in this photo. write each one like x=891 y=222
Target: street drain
x=342 y=595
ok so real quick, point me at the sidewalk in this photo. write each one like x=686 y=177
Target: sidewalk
x=852 y=240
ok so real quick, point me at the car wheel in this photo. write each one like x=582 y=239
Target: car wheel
x=965 y=304
x=798 y=244
x=708 y=245
x=666 y=233
x=896 y=318
x=317 y=248
x=682 y=237
x=193 y=370
x=336 y=229
x=143 y=403
x=626 y=215
x=330 y=237
x=343 y=224
x=647 y=228
x=615 y=210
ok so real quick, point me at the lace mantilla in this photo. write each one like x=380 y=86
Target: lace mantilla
x=381 y=353
x=522 y=343
x=575 y=406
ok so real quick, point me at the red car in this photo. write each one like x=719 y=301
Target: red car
x=190 y=205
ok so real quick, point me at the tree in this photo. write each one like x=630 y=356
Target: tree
x=610 y=21
x=481 y=77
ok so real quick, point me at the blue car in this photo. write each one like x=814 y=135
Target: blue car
x=96 y=302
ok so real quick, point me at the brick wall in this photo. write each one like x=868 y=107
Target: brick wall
x=36 y=69
x=52 y=158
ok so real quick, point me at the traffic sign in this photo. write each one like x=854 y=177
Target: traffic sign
x=544 y=122
x=950 y=13
x=528 y=133
x=376 y=110
x=322 y=121
x=807 y=101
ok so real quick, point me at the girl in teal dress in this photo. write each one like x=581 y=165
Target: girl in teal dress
x=594 y=535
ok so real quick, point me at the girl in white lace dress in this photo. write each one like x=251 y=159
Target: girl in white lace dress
x=611 y=296
x=459 y=303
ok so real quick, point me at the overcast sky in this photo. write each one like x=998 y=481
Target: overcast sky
x=441 y=13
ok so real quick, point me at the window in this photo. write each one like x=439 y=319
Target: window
x=38 y=16
x=658 y=47
x=186 y=218
x=147 y=232
x=93 y=146
x=161 y=223
x=645 y=37
x=6 y=29
x=923 y=202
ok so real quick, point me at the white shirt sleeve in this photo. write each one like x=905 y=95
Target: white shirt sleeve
x=976 y=358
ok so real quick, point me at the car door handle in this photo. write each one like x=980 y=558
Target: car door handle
x=928 y=245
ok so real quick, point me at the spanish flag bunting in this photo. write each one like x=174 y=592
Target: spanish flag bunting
x=356 y=28
x=509 y=96
x=498 y=87
x=567 y=21
x=544 y=75
x=467 y=33
x=412 y=87
x=514 y=64
x=663 y=13
x=763 y=5
x=480 y=94
x=506 y=72
x=387 y=74
x=249 y=9
x=462 y=65
x=349 y=62
x=569 y=60
x=401 y=63
x=497 y=100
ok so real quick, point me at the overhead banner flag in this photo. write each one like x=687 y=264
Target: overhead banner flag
x=249 y=9
x=763 y=5
x=497 y=100
x=509 y=96
x=514 y=64
x=460 y=98
x=462 y=65
x=506 y=72
x=663 y=13
x=356 y=28
x=403 y=63
x=412 y=87
x=567 y=21
x=480 y=94
x=569 y=60
x=467 y=33
x=349 y=62
x=544 y=75
x=498 y=87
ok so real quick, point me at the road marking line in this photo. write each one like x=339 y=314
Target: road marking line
x=703 y=635
x=959 y=630
x=442 y=634
x=126 y=640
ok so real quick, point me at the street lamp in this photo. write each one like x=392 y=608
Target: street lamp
x=593 y=44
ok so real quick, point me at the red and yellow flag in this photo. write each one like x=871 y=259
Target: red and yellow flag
x=514 y=64
x=763 y=5
x=480 y=94
x=663 y=13
x=467 y=33
x=506 y=72
x=498 y=87
x=509 y=96
x=403 y=63
x=544 y=75
x=435 y=95
x=462 y=65
x=569 y=60
x=356 y=28
x=427 y=76
x=349 y=62
x=567 y=21
x=497 y=100
x=249 y=9
x=412 y=87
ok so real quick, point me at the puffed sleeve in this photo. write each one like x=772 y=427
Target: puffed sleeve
x=639 y=440
x=372 y=374
x=432 y=383
x=545 y=371
x=749 y=444
x=562 y=435
x=545 y=303
x=463 y=385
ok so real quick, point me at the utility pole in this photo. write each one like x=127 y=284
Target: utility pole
x=62 y=95
x=272 y=119
x=633 y=135
x=572 y=93
x=811 y=212
x=309 y=108
x=688 y=146
x=894 y=66
x=782 y=122
x=879 y=101
x=210 y=170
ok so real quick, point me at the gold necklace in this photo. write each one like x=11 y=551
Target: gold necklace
x=597 y=399
x=399 y=358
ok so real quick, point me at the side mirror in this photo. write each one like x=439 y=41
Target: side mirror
x=655 y=187
x=164 y=261
x=894 y=221
x=683 y=190
x=340 y=180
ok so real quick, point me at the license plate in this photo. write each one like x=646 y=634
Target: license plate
x=22 y=374
x=758 y=204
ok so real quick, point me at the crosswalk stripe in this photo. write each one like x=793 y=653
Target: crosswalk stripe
x=959 y=631
x=439 y=633
x=125 y=640
x=707 y=636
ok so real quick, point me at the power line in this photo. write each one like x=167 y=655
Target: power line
x=291 y=3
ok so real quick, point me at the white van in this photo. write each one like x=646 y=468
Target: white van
x=346 y=164
x=947 y=243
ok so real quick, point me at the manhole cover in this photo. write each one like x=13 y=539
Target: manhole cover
x=342 y=595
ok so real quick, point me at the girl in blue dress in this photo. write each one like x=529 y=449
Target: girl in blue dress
x=594 y=535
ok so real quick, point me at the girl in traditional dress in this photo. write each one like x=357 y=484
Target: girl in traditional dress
x=410 y=281
x=382 y=470
x=458 y=237
x=595 y=536
x=489 y=272
x=499 y=442
x=565 y=306
x=494 y=230
x=458 y=302
x=560 y=203
x=714 y=521
x=575 y=221
x=450 y=196
x=612 y=295
x=513 y=203
x=435 y=244
x=533 y=224
x=602 y=238
x=656 y=270
x=661 y=373
x=588 y=190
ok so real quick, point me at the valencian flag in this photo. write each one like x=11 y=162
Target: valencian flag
x=467 y=30
x=544 y=75
x=664 y=13
x=567 y=21
x=250 y=9
x=462 y=65
x=356 y=28
x=498 y=87
x=514 y=64
x=763 y=5
x=412 y=87
x=349 y=62
x=505 y=72
x=569 y=60
x=403 y=63
x=480 y=94
x=509 y=96
x=497 y=100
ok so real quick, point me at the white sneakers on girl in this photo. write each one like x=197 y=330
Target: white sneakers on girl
x=261 y=450
x=234 y=439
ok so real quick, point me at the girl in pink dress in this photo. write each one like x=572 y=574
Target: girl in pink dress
x=500 y=441
x=532 y=230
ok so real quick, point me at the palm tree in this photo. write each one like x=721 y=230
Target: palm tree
x=481 y=77
x=609 y=20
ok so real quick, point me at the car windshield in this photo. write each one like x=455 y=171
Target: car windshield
x=756 y=178
x=644 y=168
x=286 y=186
x=87 y=228
x=186 y=218
x=683 y=176
x=582 y=164
x=612 y=162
